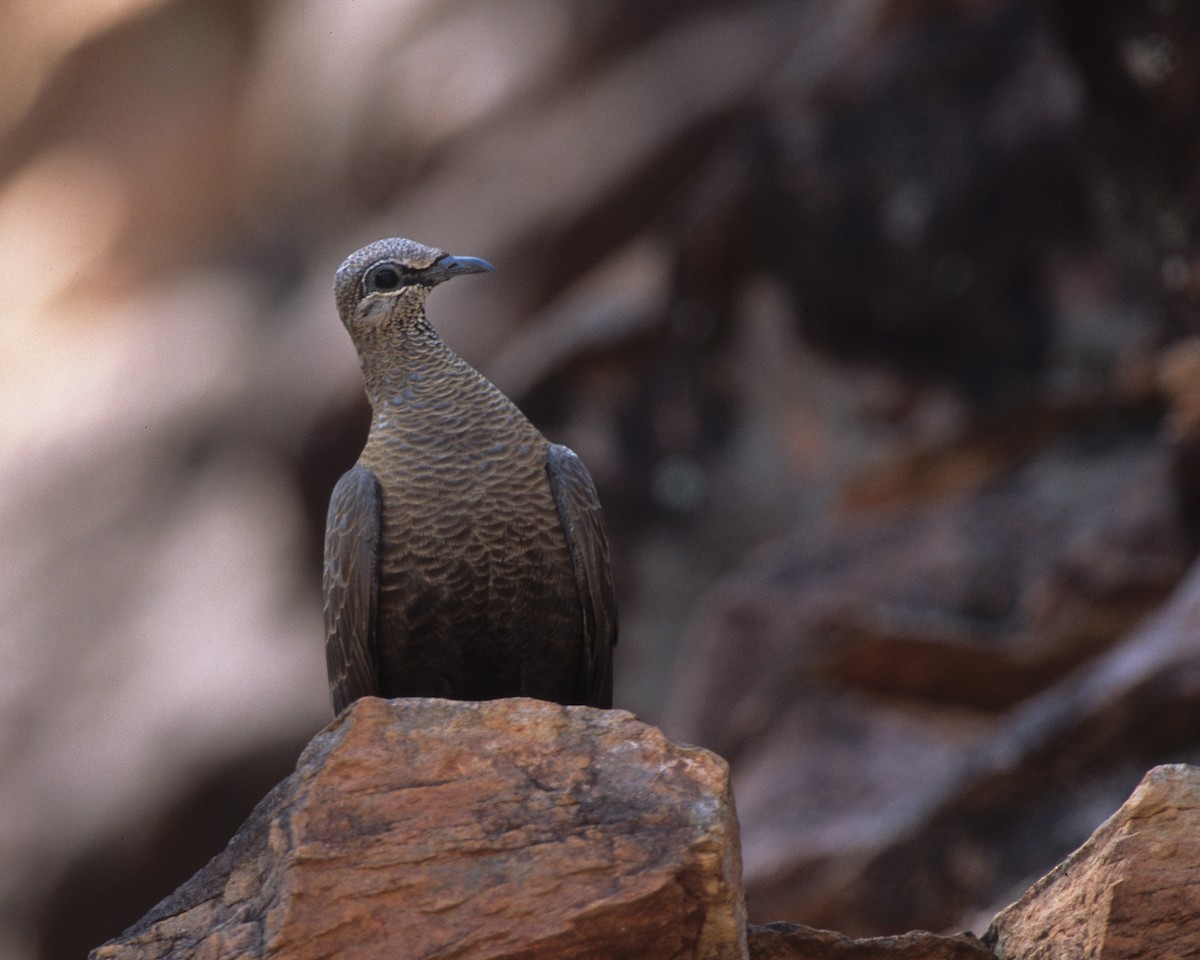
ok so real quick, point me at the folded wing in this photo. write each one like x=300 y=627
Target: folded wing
x=351 y=586
x=579 y=512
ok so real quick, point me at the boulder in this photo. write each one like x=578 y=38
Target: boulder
x=1132 y=890
x=434 y=828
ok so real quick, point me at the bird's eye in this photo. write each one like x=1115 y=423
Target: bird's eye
x=382 y=278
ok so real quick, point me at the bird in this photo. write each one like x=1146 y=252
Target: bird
x=465 y=554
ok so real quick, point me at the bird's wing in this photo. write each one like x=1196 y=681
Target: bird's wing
x=351 y=580
x=579 y=511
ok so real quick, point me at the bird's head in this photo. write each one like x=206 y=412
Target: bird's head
x=385 y=283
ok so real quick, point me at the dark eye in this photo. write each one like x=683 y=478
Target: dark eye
x=382 y=277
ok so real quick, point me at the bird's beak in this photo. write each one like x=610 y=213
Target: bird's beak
x=450 y=266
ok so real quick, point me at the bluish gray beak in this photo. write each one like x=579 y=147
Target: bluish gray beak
x=450 y=266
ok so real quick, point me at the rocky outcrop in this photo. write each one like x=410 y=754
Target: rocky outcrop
x=431 y=828
x=1133 y=890
x=517 y=828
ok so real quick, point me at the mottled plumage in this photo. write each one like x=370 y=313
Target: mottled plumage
x=464 y=553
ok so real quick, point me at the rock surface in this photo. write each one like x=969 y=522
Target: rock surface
x=517 y=828
x=430 y=828
x=977 y=602
x=894 y=697
x=1133 y=890
x=791 y=941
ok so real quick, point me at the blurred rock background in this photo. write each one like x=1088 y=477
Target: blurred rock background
x=873 y=320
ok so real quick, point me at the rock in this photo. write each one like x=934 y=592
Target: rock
x=427 y=828
x=870 y=801
x=944 y=298
x=1179 y=379
x=851 y=678
x=125 y=873
x=1037 y=787
x=979 y=601
x=1132 y=890
x=791 y=941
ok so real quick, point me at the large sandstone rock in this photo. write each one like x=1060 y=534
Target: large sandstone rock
x=1133 y=890
x=432 y=828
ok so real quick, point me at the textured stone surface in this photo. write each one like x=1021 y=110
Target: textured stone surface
x=791 y=941
x=871 y=689
x=1133 y=890
x=978 y=601
x=1026 y=795
x=430 y=828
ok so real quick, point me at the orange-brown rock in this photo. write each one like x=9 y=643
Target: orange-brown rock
x=1132 y=890
x=433 y=828
x=792 y=941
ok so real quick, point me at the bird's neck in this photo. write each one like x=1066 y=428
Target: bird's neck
x=411 y=371
x=425 y=398
x=400 y=360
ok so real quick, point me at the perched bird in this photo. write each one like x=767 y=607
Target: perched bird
x=465 y=555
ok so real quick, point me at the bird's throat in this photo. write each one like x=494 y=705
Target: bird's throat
x=401 y=366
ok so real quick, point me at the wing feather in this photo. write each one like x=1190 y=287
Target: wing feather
x=351 y=580
x=582 y=523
